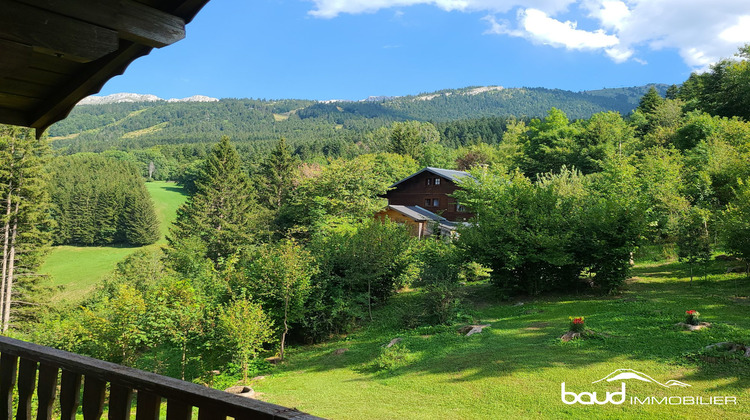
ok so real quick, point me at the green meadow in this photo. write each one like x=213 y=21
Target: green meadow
x=514 y=368
x=77 y=270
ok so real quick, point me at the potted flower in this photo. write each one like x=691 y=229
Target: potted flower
x=692 y=317
x=577 y=324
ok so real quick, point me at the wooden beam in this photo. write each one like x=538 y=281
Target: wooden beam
x=16 y=57
x=133 y=21
x=54 y=33
x=14 y=117
x=87 y=82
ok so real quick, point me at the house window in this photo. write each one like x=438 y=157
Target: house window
x=460 y=208
x=428 y=181
x=437 y=181
x=435 y=202
x=427 y=202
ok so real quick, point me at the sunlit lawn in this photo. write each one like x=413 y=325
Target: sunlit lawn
x=514 y=369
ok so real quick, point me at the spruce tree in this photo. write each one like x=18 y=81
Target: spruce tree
x=223 y=212
x=276 y=175
x=140 y=224
x=24 y=224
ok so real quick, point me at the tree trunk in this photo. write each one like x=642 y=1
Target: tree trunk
x=184 y=353
x=6 y=237
x=286 y=326
x=11 y=267
x=369 y=298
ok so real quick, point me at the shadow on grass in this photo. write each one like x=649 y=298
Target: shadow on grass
x=637 y=325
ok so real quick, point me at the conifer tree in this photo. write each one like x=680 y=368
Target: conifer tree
x=275 y=176
x=223 y=211
x=24 y=209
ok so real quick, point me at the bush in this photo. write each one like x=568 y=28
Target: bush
x=393 y=357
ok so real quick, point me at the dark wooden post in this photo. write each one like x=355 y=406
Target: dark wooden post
x=120 y=398
x=8 y=370
x=46 y=391
x=70 y=394
x=26 y=385
x=93 y=398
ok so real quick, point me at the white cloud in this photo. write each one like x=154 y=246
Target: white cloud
x=701 y=32
x=333 y=8
x=542 y=28
x=739 y=32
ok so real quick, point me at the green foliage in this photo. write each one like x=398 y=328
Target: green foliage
x=441 y=266
x=25 y=224
x=394 y=357
x=246 y=328
x=735 y=223
x=693 y=239
x=223 y=212
x=277 y=276
x=343 y=190
x=276 y=175
x=724 y=90
x=408 y=138
x=361 y=266
x=101 y=201
x=541 y=237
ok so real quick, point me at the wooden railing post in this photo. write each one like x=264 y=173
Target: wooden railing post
x=46 y=391
x=26 y=385
x=70 y=394
x=8 y=370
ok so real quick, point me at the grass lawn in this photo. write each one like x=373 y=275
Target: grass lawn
x=78 y=269
x=514 y=368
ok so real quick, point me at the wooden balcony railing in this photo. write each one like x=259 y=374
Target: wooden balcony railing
x=21 y=363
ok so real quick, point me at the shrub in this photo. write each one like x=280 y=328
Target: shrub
x=394 y=357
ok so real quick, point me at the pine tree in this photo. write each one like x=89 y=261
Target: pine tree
x=25 y=227
x=140 y=224
x=276 y=175
x=223 y=212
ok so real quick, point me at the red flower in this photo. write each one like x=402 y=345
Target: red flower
x=578 y=320
x=691 y=312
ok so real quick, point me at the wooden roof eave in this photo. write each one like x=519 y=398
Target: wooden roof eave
x=82 y=44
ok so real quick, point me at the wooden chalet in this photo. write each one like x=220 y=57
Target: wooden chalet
x=53 y=53
x=423 y=202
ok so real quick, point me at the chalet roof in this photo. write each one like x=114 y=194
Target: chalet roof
x=445 y=173
x=417 y=213
x=53 y=53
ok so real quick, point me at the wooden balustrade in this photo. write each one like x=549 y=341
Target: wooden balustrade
x=27 y=367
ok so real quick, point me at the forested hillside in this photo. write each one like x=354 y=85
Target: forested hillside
x=254 y=124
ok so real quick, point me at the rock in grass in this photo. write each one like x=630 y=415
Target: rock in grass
x=470 y=330
x=729 y=346
x=241 y=390
x=569 y=336
x=691 y=327
x=393 y=342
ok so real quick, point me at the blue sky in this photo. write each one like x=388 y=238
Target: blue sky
x=352 y=49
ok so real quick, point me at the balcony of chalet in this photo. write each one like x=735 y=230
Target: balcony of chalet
x=37 y=382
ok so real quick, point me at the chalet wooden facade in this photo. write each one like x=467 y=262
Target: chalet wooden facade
x=430 y=189
x=423 y=202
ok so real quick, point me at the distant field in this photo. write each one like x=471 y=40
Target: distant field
x=79 y=269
